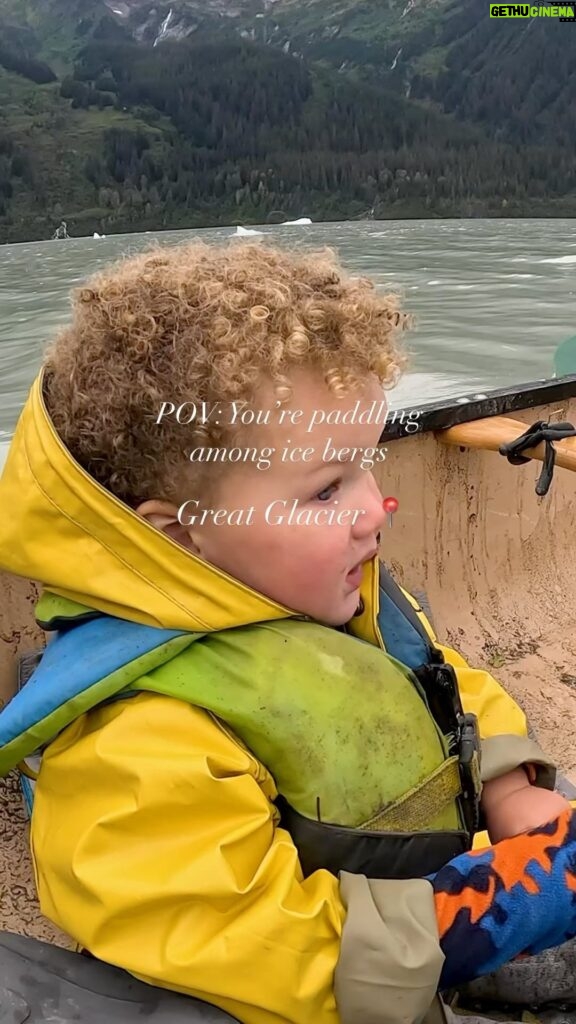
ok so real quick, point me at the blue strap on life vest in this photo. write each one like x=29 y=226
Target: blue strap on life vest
x=74 y=661
x=83 y=655
x=403 y=634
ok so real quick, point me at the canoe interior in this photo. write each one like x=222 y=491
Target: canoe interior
x=495 y=561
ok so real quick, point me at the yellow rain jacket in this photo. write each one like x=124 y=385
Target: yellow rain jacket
x=155 y=835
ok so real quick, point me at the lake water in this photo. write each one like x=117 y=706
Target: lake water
x=492 y=298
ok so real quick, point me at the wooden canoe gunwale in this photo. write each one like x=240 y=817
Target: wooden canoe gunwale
x=452 y=411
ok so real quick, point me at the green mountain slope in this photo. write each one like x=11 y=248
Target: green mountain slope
x=518 y=80
x=127 y=115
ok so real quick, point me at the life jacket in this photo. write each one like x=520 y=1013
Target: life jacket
x=376 y=766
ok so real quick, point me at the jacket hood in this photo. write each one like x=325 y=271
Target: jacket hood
x=67 y=532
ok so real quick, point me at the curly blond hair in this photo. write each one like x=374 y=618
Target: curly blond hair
x=203 y=323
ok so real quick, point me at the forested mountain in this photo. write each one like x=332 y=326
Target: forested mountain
x=128 y=114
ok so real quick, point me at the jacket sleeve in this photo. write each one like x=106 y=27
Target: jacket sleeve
x=503 y=727
x=156 y=846
x=514 y=898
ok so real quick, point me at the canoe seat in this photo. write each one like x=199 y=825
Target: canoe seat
x=39 y=982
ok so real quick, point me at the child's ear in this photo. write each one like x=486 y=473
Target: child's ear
x=164 y=516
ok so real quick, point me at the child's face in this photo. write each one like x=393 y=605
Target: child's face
x=299 y=530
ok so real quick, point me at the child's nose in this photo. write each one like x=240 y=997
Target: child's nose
x=374 y=514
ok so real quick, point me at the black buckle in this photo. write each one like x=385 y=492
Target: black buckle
x=466 y=746
x=469 y=755
x=441 y=688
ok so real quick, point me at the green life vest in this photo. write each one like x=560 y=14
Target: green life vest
x=366 y=777
x=343 y=728
x=364 y=772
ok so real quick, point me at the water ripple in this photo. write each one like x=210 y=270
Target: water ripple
x=482 y=321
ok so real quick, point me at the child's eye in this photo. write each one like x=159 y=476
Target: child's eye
x=327 y=493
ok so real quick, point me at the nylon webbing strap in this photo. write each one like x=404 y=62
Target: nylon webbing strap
x=414 y=811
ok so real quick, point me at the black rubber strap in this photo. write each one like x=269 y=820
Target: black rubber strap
x=539 y=432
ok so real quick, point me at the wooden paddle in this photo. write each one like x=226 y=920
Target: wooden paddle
x=565 y=358
x=488 y=434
